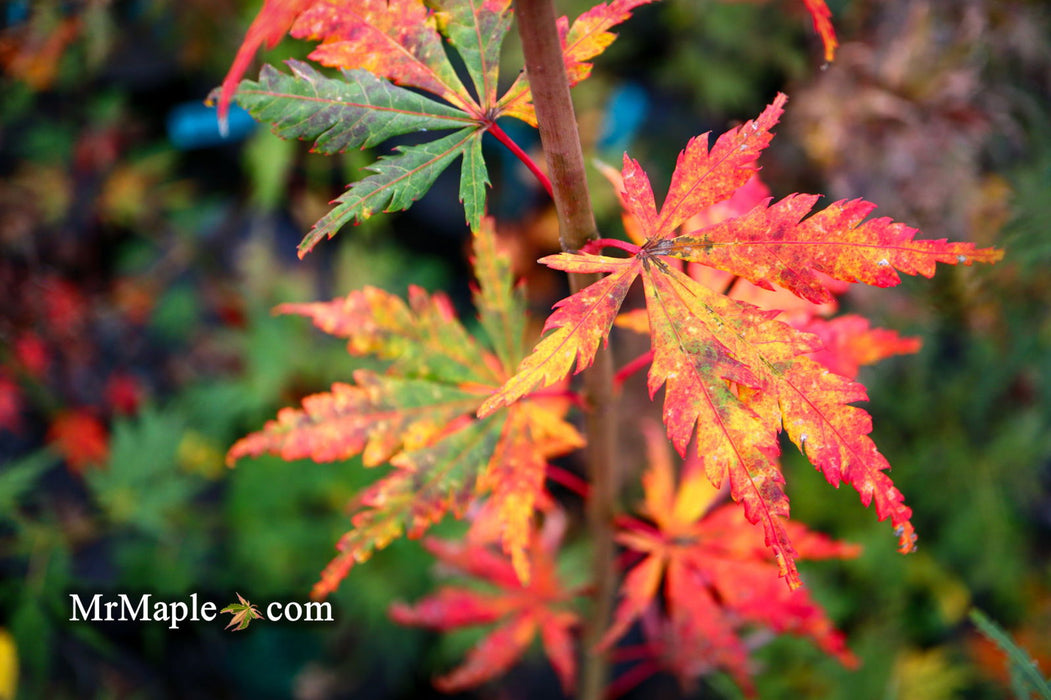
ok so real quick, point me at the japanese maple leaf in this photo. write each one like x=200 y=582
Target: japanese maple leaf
x=848 y=342
x=520 y=611
x=715 y=574
x=419 y=416
x=734 y=376
x=243 y=613
x=397 y=79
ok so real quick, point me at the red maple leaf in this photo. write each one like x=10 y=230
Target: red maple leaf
x=715 y=574
x=733 y=375
x=520 y=611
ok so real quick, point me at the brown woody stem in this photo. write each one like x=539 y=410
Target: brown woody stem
x=565 y=161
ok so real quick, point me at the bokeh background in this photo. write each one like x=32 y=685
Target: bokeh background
x=141 y=256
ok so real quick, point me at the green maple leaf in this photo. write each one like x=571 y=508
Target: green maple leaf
x=397 y=79
x=243 y=614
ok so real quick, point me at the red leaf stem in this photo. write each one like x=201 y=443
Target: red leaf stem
x=503 y=138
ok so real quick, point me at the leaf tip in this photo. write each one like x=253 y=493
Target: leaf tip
x=906 y=535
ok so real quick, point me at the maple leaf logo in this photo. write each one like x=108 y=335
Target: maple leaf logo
x=733 y=375
x=243 y=613
x=420 y=416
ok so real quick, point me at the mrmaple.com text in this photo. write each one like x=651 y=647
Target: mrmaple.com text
x=142 y=608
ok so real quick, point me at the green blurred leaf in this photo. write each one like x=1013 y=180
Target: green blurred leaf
x=17 y=477
x=1025 y=675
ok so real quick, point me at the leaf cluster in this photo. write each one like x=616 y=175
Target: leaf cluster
x=468 y=423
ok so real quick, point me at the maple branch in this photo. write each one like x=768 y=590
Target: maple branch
x=560 y=137
x=503 y=138
x=557 y=121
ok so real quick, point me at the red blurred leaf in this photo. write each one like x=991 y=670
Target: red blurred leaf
x=849 y=342
x=81 y=438
x=11 y=405
x=822 y=17
x=123 y=393
x=520 y=611
x=706 y=577
x=32 y=354
x=64 y=306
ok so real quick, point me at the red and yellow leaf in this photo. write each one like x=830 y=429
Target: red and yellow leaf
x=520 y=610
x=776 y=245
x=579 y=324
x=733 y=375
x=702 y=177
x=393 y=39
x=419 y=416
x=705 y=577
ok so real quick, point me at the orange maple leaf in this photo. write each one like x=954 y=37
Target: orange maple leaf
x=520 y=610
x=734 y=376
x=716 y=575
x=419 y=416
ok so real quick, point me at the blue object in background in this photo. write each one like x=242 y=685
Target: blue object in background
x=195 y=125
x=16 y=12
x=625 y=113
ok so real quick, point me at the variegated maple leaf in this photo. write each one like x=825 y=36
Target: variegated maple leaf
x=242 y=614
x=521 y=611
x=396 y=79
x=734 y=376
x=703 y=577
x=419 y=416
